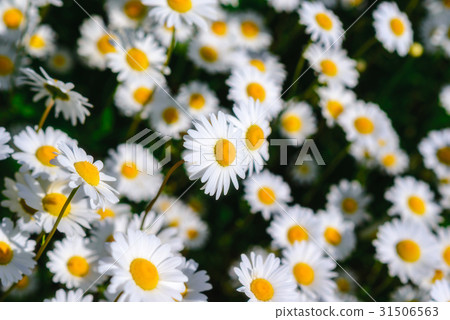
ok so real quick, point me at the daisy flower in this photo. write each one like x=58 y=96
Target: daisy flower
x=83 y=171
x=7 y=67
x=249 y=32
x=197 y=282
x=209 y=53
x=198 y=98
x=435 y=150
x=73 y=263
x=334 y=100
x=135 y=97
x=392 y=28
x=126 y=13
x=322 y=24
x=194 y=232
x=41 y=42
x=164 y=34
x=413 y=200
x=304 y=173
x=437 y=6
x=284 y=5
x=297 y=225
x=298 y=121
x=70 y=296
x=409 y=293
x=36 y=150
x=215 y=153
x=310 y=269
x=136 y=171
x=393 y=160
x=444 y=247
x=113 y=211
x=440 y=292
x=219 y=27
x=5 y=149
x=16 y=253
x=444 y=98
x=409 y=249
x=267 y=193
x=25 y=287
x=71 y=104
x=265 y=279
x=102 y=233
x=61 y=61
x=15 y=16
x=145 y=272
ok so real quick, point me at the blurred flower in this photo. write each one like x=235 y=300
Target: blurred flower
x=70 y=296
x=5 y=149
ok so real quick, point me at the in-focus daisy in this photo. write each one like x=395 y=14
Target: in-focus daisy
x=284 y=5
x=61 y=61
x=198 y=98
x=143 y=269
x=304 y=173
x=393 y=160
x=265 y=279
x=215 y=153
x=197 y=282
x=70 y=296
x=249 y=32
x=392 y=28
x=5 y=149
x=40 y=42
x=209 y=53
x=334 y=100
x=440 y=292
x=298 y=121
x=408 y=248
x=444 y=98
x=267 y=193
x=435 y=150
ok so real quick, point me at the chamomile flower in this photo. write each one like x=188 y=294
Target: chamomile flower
x=215 y=154
x=334 y=100
x=174 y=212
x=126 y=13
x=220 y=26
x=444 y=98
x=102 y=232
x=209 y=53
x=393 y=28
x=298 y=224
x=83 y=171
x=197 y=282
x=40 y=42
x=25 y=287
x=60 y=61
x=71 y=296
x=310 y=269
x=265 y=279
x=113 y=211
x=409 y=249
x=15 y=16
x=435 y=150
x=16 y=253
x=440 y=291
x=298 y=121
x=349 y=198
x=136 y=171
x=143 y=268
x=284 y=5
x=393 y=160
x=5 y=149
x=198 y=98
x=194 y=232
x=71 y=104
x=267 y=193
x=409 y=293
x=73 y=263
x=322 y=24
x=444 y=247
x=333 y=65
x=164 y=34
x=135 y=97
x=36 y=150
x=248 y=32
x=7 y=67
x=304 y=173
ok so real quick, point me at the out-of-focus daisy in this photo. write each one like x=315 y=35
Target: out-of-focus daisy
x=40 y=42
x=322 y=24
x=393 y=160
x=84 y=172
x=215 y=153
x=298 y=121
x=102 y=232
x=164 y=34
x=16 y=253
x=436 y=6
x=209 y=53
x=198 y=98
x=60 y=61
x=136 y=171
x=284 y=5
x=197 y=282
x=145 y=272
x=409 y=293
x=265 y=279
x=440 y=292
x=7 y=67
x=444 y=246
x=392 y=28
x=304 y=173
x=444 y=98
x=126 y=13
x=25 y=287
x=135 y=96
x=194 y=232
x=15 y=16
x=5 y=149
x=71 y=296
x=248 y=31
x=334 y=100
x=435 y=150
x=297 y=224
x=220 y=26
x=266 y=193
x=408 y=248
x=114 y=211
x=71 y=104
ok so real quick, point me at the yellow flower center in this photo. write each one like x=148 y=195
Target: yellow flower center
x=143 y=95
x=104 y=45
x=6 y=253
x=209 y=54
x=23 y=283
x=256 y=91
x=335 y=108
x=408 y=250
x=78 y=266
x=6 y=66
x=291 y=123
x=446 y=255
x=88 y=172
x=110 y=238
x=249 y=29
x=303 y=273
x=170 y=115
x=219 y=28
x=197 y=101
x=129 y=170
x=397 y=26
x=329 y=68
x=416 y=205
x=181 y=6
x=254 y=138
x=349 y=205
x=59 y=60
x=266 y=195
x=107 y=213
x=31 y=211
x=134 y=9
x=443 y=155
x=192 y=234
x=37 y=42
x=446 y=3
x=13 y=18
x=225 y=152
x=364 y=125
x=56 y=92
x=297 y=233
x=389 y=160
x=332 y=236
x=144 y=274
x=137 y=59
x=343 y=285
x=45 y=154
x=258 y=64
x=438 y=275
x=53 y=204
x=324 y=21
x=262 y=289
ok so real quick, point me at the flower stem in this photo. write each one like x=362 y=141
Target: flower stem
x=299 y=68
x=366 y=46
x=170 y=50
x=45 y=114
x=150 y=205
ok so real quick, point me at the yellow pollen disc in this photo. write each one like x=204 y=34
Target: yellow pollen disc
x=78 y=266
x=438 y=275
x=266 y=195
x=446 y=255
x=389 y=160
x=334 y=108
x=296 y=233
x=262 y=289
x=129 y=170
x=107 y=213
x=45 y=154
x=53 y=204
x=324 y=21
x=6 y=253
x=329 y=68
x=249 y=29
x=197 y=101
x=23 y=283
x=143 y=95
x=225 y=152
x=349 y=205
x=256 y=91
x=364 y=125
x=174 y=223
x=258 y=64
x=56 y=92
x=416 y=205
x=13 y=18
x=170 y=115
x=144 y=273
x=6 y=65
x=59 y=60
x=137 y=59
x=192 y=234
x=446 y=3
x=397 y=26
x=181 y=6
x=110 y=238
x=104 y=45
x=303 y=273
x=37 y=42
x=26 y=207
x=408 y=250
x=291 y=123
x=88 y=172
x=219 y=28
x=332 y=236
x=304 y=169
x=443 y=155
x=343 y=285
x=134 y=9
x=209 y=54
x=254 y=138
